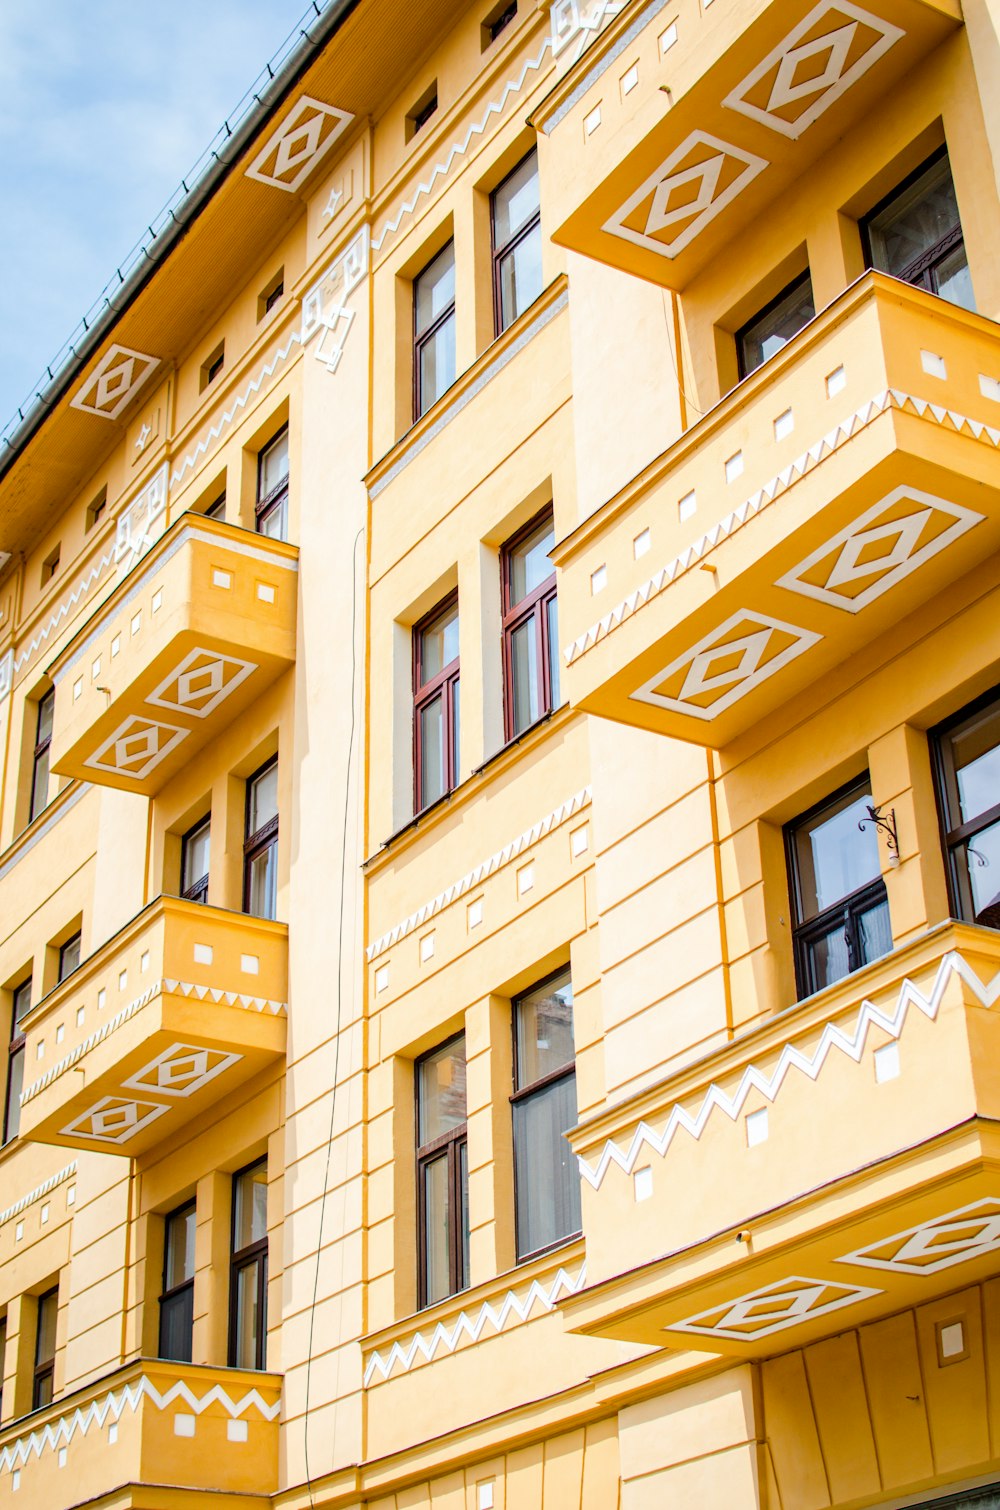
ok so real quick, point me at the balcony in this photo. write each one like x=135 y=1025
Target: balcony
x=200 y=627
x=838 y=1164
x=179 y=1009
x=837 y=490
x=193 y=1428
x=678 y=127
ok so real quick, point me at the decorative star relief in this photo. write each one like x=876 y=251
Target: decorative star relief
x=303 y=140
x=675 y=204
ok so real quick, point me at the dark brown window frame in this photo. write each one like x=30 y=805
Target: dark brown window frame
x=15 y=1049
x=42 y=747
x=421 y=338
x=772 y=304
x=497 y=22
x=264 y=838
x=271 y=503
x=44 y=1368
x=511 y=245
x=244 y=1258
x=443 y=684
x=449 y=1144
x=197 y=891
x=76 y=938
x=513 y=615
x=920 y=272
x=174 y=1292
x=960 y=833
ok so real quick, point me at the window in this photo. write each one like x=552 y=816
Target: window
x=45 y=1348
x=95 y=510
x=434 y=330
x=442 y=1172
x=177 y=1297
x=967 y=767
x=775 y=325
x=3 y=1356
x=497 y=21
x=40 y=762
x=213 y=365
x=260 y=851
x=271 y=294
x=248 y=1270
x=517 y=242
x=195 y=847
x=217 y=509
x=418 y=116
x=20 y=1007
x=530 y=630
x=435 y=704
x=838 y=895
x=969 y=1499
x=915 y=234
x=51 y=565
x=271 y=513
x=69 y=956
x=546 y=1181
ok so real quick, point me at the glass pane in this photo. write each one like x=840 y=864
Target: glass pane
x=520 y=276
x=545 y=1171
x=544 y=1030
x=441 y=1091
x=952 y=278
x=438 y=644
x=434 y=290
x=835 y=857
x=262 y=901
x=874 y=932
x=194 y=860
x=69 y=957
x=432 y=764
x=45 y=1337
x=437 y=363
x=177 y=1325
x=775 y=328
x=529 y=562
x=456 y=722
x=250 y=1217
x=15 y=1082
x=463 y=1213
x=273 y=465
x=263 y=799
x=178 y=1263
x=516 y=201
x=42 y=1392
x=526 y=694
x=247 y=1319
x=978 y=866
x=40 y=784
x=437 y=1217
x=46 y=708
x=22 y=1000
x=975 y=751
x=274 y=523
x=828 y=958
x=554 y=692
x=915 y=221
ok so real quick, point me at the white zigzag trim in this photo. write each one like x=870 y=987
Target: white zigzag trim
x=769 y=1084
x=114 y=1404
x=33 y=1195
x=604 y=10
x=448 y=1337
x=240 y=402
x=488 y=867
x=891 y=398
x=84 y=585
x=186 y=988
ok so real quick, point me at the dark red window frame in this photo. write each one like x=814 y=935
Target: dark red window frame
x=536 y=606
x=423 y=337
x=19 y=1008
x=42 y=745
x=276 y=501
x=502 y=252
x=445 y=685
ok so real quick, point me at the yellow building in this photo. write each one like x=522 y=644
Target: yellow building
x=499 y=639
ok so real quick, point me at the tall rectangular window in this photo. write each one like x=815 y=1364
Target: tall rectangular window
x=260 y=849
x=915 y=234
x=271 y=512
x=436 y=704
x=195 y=846
x=546 y=1181
x=967 y=768
x=838 y=895
x=775 y=325
x=177 y=1295
x=3 y=1356
x=530 y=629
x=434 y=330
x=442 y=1172
x=20 y=1007
x=40 y=761
x=69 y=956
x=248 y=1269
x=517 y=242
x=45 y=1348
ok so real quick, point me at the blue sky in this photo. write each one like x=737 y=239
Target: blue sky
x=104 y=107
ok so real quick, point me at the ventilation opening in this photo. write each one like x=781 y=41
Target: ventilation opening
x=497 y=21
x=422 y=111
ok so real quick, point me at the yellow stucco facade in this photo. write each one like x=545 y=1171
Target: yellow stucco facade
x=500 y=789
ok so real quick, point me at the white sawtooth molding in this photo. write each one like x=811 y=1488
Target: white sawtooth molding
x=889 y=398
x=447 y=1336
x=768 y=1083
x=184 y=988
x=45 y=1188
x=496 y=861
x=113 y=1405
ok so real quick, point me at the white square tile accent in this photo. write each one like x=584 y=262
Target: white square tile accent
x=40 y=1048
x=734 y=466
x=757 y=1130
x=886 y=1062
x=592 y=121
x=427 y=947
x=78 y=688
x=641 y=544
x=687 y=505
x=579 y=841
x=113 y=1433
x=71 y=1195
x=784 y=424
x=485 y=1495
x=265 y=592
x=80 y=1016
x=525 y=879
x=102 y=997
x=642 y=1183
x=62 y=1457
x=44 y=1214
x=15 y=1480
x=183 y=1424
x=250 y=964
x=668 y=37
x=598 y=580
x=475 y=913
x=144 y=962
x=933 y=365
x=221 y=578
x=836 y=382
x=116 y=645
x=382 y=978
x=236 y=1431
x=989 y=387
x=952 y=1339
x=18 y=1232
x=136 y=624
x=60 y=1032
x=630 y=79
x=203 y=954
x=95 y=669
x=157 y=600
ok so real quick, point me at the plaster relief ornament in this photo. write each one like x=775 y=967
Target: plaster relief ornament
x=955 y=1238
x=303 y=140
x=114 y=1119
x=136 y=747
x=675 y=204
x=725 y=665
x=181 y=1070
x=773 y=1308
x=134 y=532
x=114 y=382
x=325 y=312
x=813 y=66
x=201 y=682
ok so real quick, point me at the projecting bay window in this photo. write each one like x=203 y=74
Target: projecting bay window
x=20 y=1007
x=530 y=629
x=177 y=1297
x=442 y=1173
x=40 y=759
x=434 y=330
x=775 y=325
x=195 y=847
x=517 y=242
x=42 y=1387
x=436 y=704
x=248 y=1269
x=916 y=235
x=838 y=895
x=260 y=849
x=967 y=767
x=271 y=512
x=546 y=1182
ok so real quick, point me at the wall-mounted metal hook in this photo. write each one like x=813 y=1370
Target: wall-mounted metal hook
x=885 y=822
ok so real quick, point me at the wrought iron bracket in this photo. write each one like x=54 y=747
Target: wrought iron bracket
x=885 y=821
